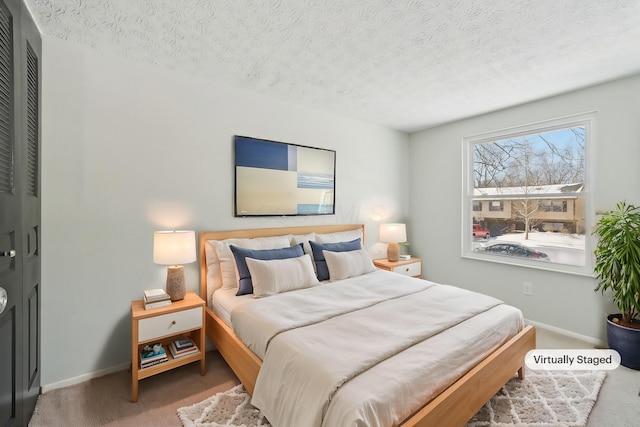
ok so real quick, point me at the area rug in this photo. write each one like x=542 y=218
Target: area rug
x=542 y=399
x=228 y=408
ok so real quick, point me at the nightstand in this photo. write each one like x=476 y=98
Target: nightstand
x=411 y=267
x=164 y=325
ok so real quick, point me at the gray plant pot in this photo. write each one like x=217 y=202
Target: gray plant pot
x=625 y=341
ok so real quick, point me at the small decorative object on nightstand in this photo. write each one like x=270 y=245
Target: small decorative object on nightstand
x=393 y=234
x=411 y=267
x=154 y=334
x=173 y=248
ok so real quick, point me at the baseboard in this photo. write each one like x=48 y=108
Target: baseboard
x=84 y=377
x=567 y=333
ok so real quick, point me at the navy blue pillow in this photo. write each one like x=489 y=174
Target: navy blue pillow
x=322 y=271
x=245 y=286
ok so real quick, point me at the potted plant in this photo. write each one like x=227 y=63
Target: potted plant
x=617 y=269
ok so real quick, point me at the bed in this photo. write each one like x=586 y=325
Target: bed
x=440 y=394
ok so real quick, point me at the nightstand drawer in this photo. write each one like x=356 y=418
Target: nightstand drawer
x=412 y=269
x=168 y=324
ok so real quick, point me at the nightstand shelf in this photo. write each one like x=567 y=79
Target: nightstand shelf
x=183 y=318
x=411 y=267
x=171 y=363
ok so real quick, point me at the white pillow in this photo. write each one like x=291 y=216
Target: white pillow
x=296 y=239
x=273 y=276
x=227 y=262
x=340 y=236
x=214 y=275
x=343 y=265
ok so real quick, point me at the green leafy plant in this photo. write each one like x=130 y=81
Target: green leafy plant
x=617 y=255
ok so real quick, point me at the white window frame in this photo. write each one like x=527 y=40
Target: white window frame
x=588 y=120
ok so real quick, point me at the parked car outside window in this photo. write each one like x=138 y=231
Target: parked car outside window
x=480 y=233
x=514 y=249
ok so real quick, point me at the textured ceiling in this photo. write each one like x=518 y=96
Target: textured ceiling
x=404 y=64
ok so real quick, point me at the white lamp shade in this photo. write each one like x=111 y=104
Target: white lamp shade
x=174 y=247
x=392 y=233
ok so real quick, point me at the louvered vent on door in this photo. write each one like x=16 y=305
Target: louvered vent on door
x=6 y=102
x=32 y=122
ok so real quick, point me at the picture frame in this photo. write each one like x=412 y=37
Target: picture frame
x=281 y=179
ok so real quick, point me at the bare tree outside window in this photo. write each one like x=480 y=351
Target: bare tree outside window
x=555 y=157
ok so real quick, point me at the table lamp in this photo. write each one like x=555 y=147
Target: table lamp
x=173 y=248
x=393 y=234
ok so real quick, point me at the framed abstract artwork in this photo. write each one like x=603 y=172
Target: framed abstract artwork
x=277 y=179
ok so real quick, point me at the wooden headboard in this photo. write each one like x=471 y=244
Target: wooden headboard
x=260 y=232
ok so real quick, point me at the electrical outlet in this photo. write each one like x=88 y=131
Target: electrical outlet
x=527 y=288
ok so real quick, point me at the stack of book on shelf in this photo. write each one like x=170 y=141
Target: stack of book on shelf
x=152 y=354
x=182 y=347
x=154 y=298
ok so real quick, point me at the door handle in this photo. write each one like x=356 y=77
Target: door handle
x=10 y=254
x=3 y=299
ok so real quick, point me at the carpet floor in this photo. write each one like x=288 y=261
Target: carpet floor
x=106 y=401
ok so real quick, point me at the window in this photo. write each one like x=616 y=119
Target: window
x=553 y=205
x=496 y=206
x=477 y=206
x=535 y=181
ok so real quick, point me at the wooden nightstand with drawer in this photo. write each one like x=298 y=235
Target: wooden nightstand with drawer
x=411 y=267
x=183 y=318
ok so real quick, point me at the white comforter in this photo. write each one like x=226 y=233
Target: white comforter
x=367 y=350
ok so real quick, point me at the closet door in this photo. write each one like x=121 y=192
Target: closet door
x=19 y=214
x=10 y=230
x=30 y=136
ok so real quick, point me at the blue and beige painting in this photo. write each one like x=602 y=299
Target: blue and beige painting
x=274 y=178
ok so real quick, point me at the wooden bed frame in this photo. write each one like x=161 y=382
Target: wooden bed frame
x=453 y=407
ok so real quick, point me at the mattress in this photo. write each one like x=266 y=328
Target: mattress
x=223 y=301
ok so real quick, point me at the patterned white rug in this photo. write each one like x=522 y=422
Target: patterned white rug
x=543 y=399
x=229 y=408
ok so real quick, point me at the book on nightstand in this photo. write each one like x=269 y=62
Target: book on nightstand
x=156 y=304
x=180 y=353
x=151 y=295
x=183 y=343
x=154 y=298
x=152 y=354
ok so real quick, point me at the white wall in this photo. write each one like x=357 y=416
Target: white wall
x=129 y=148
x=560 y=300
